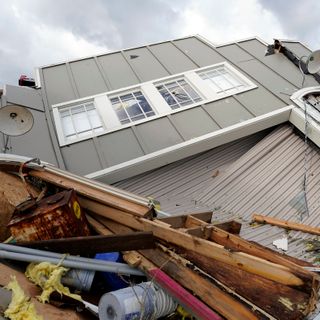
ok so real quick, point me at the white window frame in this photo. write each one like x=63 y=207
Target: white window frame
x=190 y=83
x=118 y=95
x=298 y=96
x=161 y=108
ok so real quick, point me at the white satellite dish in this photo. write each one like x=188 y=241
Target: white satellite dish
x=313 y=62
x=15 y=120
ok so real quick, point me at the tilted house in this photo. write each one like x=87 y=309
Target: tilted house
x=187 y=122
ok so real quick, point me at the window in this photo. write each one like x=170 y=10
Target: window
x=110 y=111
x=79 y=121
x=178 y=93
x=131 y=107
x=221 y=80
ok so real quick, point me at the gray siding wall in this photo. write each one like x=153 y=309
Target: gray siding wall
x=275 y=77
x=35 y=144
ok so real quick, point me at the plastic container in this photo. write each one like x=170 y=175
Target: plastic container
x=142 y=301
x=113 y=280
x=79 y=279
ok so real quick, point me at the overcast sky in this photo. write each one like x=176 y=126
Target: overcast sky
x=40 y=32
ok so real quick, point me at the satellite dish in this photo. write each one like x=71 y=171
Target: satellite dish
x=313 y=62
x=15 y=120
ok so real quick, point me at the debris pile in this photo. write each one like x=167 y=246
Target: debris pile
x=122 y=262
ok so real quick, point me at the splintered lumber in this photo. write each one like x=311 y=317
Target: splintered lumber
x=282 y=302
x=92 y=191
x=95 y=244
x=213 y=296
x=208 y=292
x=236 y=243
x=286 y=224
x=186 y=299
x=276 y=272
x=49 y=312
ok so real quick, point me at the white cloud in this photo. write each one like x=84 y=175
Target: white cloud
x=232 y=20
x=26 y=44
x=40 y=32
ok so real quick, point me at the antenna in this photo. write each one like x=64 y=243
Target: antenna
x=313 y=62
x=15 y=120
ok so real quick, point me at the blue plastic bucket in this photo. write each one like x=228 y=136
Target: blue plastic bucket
x=113 y=280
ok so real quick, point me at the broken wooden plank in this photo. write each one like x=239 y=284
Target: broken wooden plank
x=236 y=243
x=208 y=292
x=282 y=302
x=231 y=226
x=93 y=192
x=269 y=270
x=204 y=289
x=290 y=225
x=179 y=221
x=95 y=244
x=186 y=299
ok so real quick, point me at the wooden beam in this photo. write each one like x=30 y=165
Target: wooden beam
x=95 y=244
x=186 y=299
x=282 y=302
x=286 y=224
x=179 y=221
x=231 y=226
x=264 y=268
x=236 y=243
x=135 y=259
x=208 y=292
x=93 y=193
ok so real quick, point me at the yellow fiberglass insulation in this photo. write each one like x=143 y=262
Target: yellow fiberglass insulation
x=20 y=307
x=48 y=277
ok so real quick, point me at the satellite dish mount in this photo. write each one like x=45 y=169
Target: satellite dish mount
x=15 y=121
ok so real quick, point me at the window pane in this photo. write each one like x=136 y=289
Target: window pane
x=134 y=110
x=233 y=80
x=190 y=91
x=221 y=79
x=144 y=104
x=168 y=97
x=89 y=106
x=81 y=122
x=133 y=106
x=67 y=126
x=94 y=118
x=115 y=100
x=223 y=82
x=64 y=113
x=77 y=109
x=178 y=93
x=138 y=94
x=121 y=114
x=126 y=97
